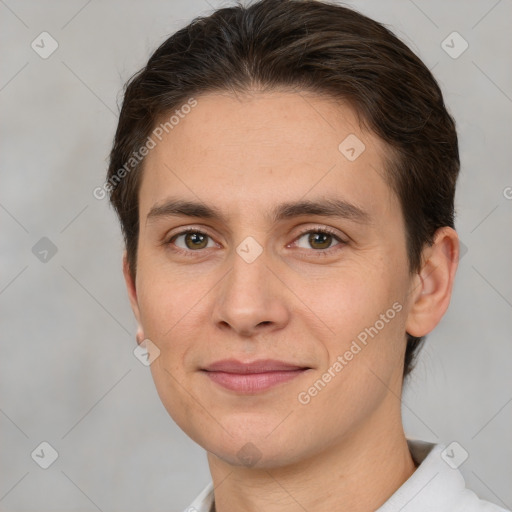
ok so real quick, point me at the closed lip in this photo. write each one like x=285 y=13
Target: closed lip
x=259 y=366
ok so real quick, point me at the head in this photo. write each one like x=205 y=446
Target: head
x=266 y=117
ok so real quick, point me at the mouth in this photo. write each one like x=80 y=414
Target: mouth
x=253 y=377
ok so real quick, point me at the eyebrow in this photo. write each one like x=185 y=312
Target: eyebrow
x=328 y=207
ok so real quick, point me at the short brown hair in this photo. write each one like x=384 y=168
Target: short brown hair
x=307 y=45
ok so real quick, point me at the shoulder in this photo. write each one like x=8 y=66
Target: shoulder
x=437 y=484
x=203 y=501
x=468 y=501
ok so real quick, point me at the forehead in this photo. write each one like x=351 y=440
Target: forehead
x=248 y=150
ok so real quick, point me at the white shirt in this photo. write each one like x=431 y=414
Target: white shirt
x=434 y=487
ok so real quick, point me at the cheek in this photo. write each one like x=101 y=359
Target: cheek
x=349 y=299
x=364 y=311
x=164 y=299
x=169 y=318
x=173 y=316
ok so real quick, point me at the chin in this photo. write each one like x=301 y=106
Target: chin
x=253 y=455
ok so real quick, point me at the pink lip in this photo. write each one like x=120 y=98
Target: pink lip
x=252 y=377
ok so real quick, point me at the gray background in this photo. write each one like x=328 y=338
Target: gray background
x=68 y=375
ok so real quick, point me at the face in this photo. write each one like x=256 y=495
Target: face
x=298 y=255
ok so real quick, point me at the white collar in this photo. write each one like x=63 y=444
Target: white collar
x=434 y=485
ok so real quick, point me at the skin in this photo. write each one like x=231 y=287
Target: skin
x=244 y=155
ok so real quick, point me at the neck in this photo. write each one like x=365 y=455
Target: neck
x=357 y=474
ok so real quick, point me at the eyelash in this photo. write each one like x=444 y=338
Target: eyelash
x=319 y=252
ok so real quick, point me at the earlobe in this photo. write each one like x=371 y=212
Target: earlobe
x=432 y=288
x=132 y=295
x=140 y=335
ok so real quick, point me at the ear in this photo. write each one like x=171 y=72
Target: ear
x=132 y=295
x=432 y=288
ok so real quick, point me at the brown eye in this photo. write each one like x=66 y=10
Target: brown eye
x=318 y=239
x=192 y=240
x=196 y=240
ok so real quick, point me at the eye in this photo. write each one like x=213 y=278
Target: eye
x=192 y=240
x=319 y=239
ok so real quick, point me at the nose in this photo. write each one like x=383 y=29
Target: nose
x=251 y=300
